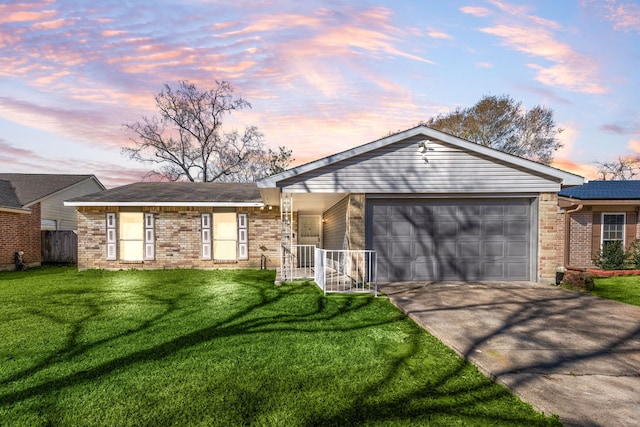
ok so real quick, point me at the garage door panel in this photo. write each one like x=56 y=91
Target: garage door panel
x=516 y=229
x=401 y=250
x=492 y=269
x=493 y=249
x=517 y=249
x=470 y=239
x=469 y=249
x=424 y=248
x=493 y=229
x=401 y=228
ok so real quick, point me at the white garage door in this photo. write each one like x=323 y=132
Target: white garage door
x=476 y=239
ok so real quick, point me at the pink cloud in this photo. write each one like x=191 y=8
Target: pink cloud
x=625 y=16
x=572 y=70
x=439 y=35
x=587 y=170
x=484 y=65
x=52 y=25
x=634 y=144
x=476 y=11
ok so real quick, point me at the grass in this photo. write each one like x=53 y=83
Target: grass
x=621 y=288
x=190 y=347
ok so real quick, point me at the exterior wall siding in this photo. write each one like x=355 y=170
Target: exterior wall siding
x=53 y=207
x=178 y=241
x=20 y=232
x=399 y=168
x=334 y=229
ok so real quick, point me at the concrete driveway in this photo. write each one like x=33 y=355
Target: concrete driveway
x=564 y=352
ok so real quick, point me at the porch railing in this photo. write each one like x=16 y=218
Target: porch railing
x=346 y=270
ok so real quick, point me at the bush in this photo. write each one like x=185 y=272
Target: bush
x=579 y=280
x=611 y=256
x=633 y=254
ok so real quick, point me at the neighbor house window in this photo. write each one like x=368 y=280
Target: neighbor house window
x=225 y=236
x=613 y=228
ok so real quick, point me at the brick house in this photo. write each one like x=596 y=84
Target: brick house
x=30 y=203
x=154 y=225
x=430 y=205
x=593 y=214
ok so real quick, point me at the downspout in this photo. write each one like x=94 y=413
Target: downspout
x=567 y=232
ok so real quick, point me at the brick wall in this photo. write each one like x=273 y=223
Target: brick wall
x=20 y=232
x=581 y=233
x=547 y=236
x=178 y=239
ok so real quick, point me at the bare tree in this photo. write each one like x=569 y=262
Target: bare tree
x=186 y=140
x=621 y=169
x=502 y=123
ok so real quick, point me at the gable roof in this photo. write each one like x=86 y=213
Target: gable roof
x=604 y=190
x=31 y=188
x=566 y=178
x=174 y=194
x=9 y=200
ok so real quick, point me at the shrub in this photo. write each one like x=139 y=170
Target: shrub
x=633 y=254
x=579 y=280
x=611 y=256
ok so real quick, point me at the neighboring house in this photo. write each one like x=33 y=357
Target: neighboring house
x=152 y=225
x=30 y=203
x=593 y=214
x=432 y=206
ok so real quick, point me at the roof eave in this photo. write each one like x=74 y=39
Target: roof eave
x=166 y=204
x=596 y=202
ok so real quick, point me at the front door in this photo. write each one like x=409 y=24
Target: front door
x=309 y=233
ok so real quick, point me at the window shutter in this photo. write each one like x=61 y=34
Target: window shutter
x=149 y=237
x=206 y=235
x=630 y=228
x=596 y=229
x=243 y=237
x=111 y=236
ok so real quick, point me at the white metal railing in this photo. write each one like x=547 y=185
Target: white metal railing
x=346 y=270
x=304 y=261
x=299 y=262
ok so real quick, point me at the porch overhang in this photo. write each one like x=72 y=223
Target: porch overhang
x=302 y=202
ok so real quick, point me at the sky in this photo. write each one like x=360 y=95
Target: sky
x=322 y=76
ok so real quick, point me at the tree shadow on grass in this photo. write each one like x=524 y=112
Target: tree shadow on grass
x=264 y=310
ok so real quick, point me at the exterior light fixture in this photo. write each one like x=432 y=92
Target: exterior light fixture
x=423 y=147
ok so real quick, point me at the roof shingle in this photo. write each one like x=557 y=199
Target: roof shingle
x=604 y=190
x=175 y=192
x=31 y=187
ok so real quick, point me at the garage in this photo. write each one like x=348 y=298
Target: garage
x=443 y=239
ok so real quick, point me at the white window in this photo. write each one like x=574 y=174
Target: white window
x=111 y=236
x=613 y=228
x=205 y=220
x=225 y=236
x=131 y=236
x=243 y=238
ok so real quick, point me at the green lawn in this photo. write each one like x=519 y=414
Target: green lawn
x=189 y=347
x=622 y=288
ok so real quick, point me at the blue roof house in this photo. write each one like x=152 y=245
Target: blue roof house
x=593 y=214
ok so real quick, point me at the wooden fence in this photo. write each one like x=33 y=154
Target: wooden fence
x=59 y=246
